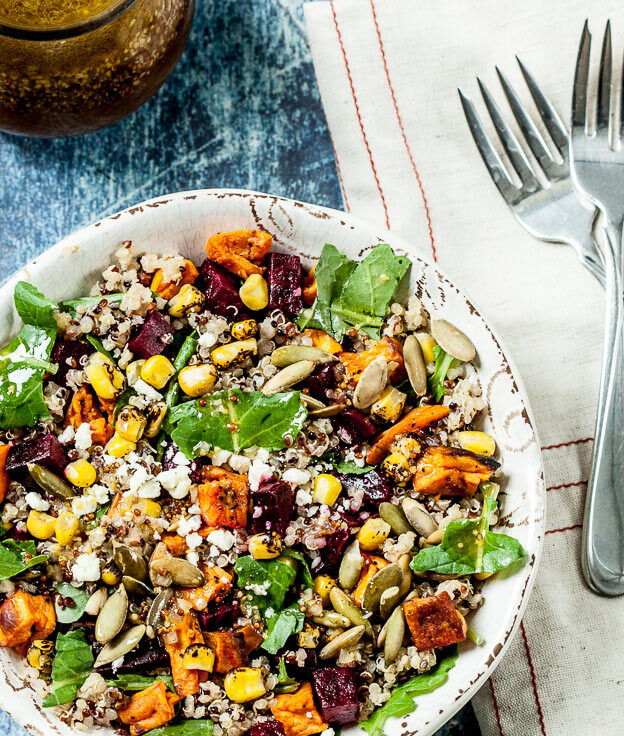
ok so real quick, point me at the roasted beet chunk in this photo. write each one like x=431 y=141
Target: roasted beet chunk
x=67 y=354
x=284 y=278
x=353 y=427
x=373 y=485
x=331 y=553
x=221 y=290
x=221 y=615
x=149 y=655
x=267 y=728
x=320 y=381
x=336 y=694
x=272 y=507
x=153 y=337
x=46 y=450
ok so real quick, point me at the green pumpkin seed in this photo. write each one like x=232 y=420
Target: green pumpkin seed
x=312 y=403
x=395 y=632
x=452 y=340
x=332 y=620
x=183 y=572
x=418 y=517
x=415 y=365
x=130 y=563
x=112 y=616
x=389 y=599
x=288 y=377
x=96 y=601
x=387 y=577
x=154 y=618
x=136 y=587
x=289 y=354
x=50 y=482
x=394 y=515
x=328 y=411
x=350 y=566
x=343 y=604
x=371 y=383
x=345 y=640
x=406 y=572
x=121 y=645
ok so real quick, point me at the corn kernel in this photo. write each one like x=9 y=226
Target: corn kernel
x=157 y=371
x=396 y=468
x=81 y=473
x=254 y=293
x=234 y=353
x=265 y=546
x=117 y=446
x=407 y=445
x=110 y=578
x=155 y=414
x=373 y=534
x=131 y=423
x=309 y=637
x=133 y=371
x=102 y=374
x=389 y=406
x=66 y=527
x=40 y=655
x=198 y=657
x=197 y=380
x=188 y=299
x=149 y=507
x=242 y=330
x=244 y=684
x=427 y=343
x=480 y=443
x=40 y=525
x=322 y=587
x=327 y=488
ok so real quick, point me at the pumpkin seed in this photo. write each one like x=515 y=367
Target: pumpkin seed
x=157 y=570
x=350 y=566
x=381 y=637
x=393 y=515
x=288 y=377
x=332 y=620
x=413 y=594
x=394 y=635
x=130 y=563
x=327 y=411
x=415 y=365
x=435 y=537
x=343 y=604
x=343 y=641
x=121 y=645
x=452 y=340
x=371 y=384
x=136 y=587
x=112 y=616
x=387 y=577
x=289 y=354
x=389 y=598
x=312 y=403
x=50 y=482
x=154 y=615
x=96 y=601
x=418 y=517
x=406 y=573
x=184 y=573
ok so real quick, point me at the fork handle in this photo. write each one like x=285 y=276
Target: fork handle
x=603 y=531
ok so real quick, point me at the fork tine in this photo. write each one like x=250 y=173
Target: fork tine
x=552 y=121
x=490 y=157
x=579 y=91
x=510 y=143
x=604 y=83
x=533 y=137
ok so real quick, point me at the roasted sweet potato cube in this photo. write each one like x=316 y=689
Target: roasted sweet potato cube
x=251 y=636
x=229 y=648
x=239 y=251
x=218 y=584
x=148 y=709
x=223 y=498
x=321 y=339
x=168 y=289
x=175 y=543
x=83 y=408
x=434 y=622
x=449 y=471
x=25 y=618
x=187 y=632
x=372 y=565
x=297 y=712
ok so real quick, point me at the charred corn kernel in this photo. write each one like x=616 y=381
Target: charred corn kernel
x=309 y=637
x=131 y=423
x=327 y=488
x=234 y=353
x=427 y=343
x=155 y=414
x=265 y=546
x=40 y=655
x=157 y=371
x=198 y=657
x=40 y=525
x=66 y=527
x=110 y=578
x=254 y=293
x=188 y=299
x=390 y=406
x=322 y=587
x=133 y=371
x=483 y=575
x=117 y=446
x=242 y=330
x=407 y=445
x=244 y=684
x=102 y=374
x=81 y=473
x=149 y=507
x=396 y=467
x=197 y=380
x=373 y=534
x=480 y=443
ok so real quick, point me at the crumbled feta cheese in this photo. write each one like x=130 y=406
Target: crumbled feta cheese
x=150 y=489
x=220 y=457
x=143 y=484
x=67 y=435
x=269 y=613
x=86 y=568
x=82 y=438
x=188 y=525
x=294 y=475
x=303 y=498
x=176 y=481
x=192 y=557
x=100 y=493
x=180 y=459
x=193 y=540
x=141 y=387
x=221 y=538
x=82 y=505
x=239 y=463
x=259 y=471
x=36 y=502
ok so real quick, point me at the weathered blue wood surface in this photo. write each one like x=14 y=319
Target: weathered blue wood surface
x=240 y=110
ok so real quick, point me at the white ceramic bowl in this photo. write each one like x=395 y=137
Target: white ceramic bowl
x=182 y=222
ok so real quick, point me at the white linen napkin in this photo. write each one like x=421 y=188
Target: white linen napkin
x=388 y=72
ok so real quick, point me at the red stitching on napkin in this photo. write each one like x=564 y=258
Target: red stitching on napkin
x=567 y=444
x=403 y=134
x=533 y=678
x=359 y=116
x=496 y=709
x=564 y=529
x=567 y=485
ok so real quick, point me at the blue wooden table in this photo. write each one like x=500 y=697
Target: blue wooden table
x=240 y=110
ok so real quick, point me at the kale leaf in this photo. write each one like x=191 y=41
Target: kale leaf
x=190 y=727
x=69 y=614
x=33 y=307
x=72 y=663
x=266 y=582
x=15 y=557
x=443 y=364
x=280 y=627
x=139 y=682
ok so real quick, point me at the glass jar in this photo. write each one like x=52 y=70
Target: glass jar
x=71 y=66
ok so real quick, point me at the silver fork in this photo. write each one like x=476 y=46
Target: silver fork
x=555 y=213
x=597 y=172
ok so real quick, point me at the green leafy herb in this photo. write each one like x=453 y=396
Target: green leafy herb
x=190 y=727
x=91 y=301
x=266 y=582
x=402 y=699
x=233 y=420
x=15 y=557
x=185 y=353
x=306 y=576
x=468 y=546
x=283 y=678
x=97 y=344
x=443 y=363
x=33 y=307
x=139 y=682
x=72 y=663
x=281 y=627
x=67 y=614
x=348 y=468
